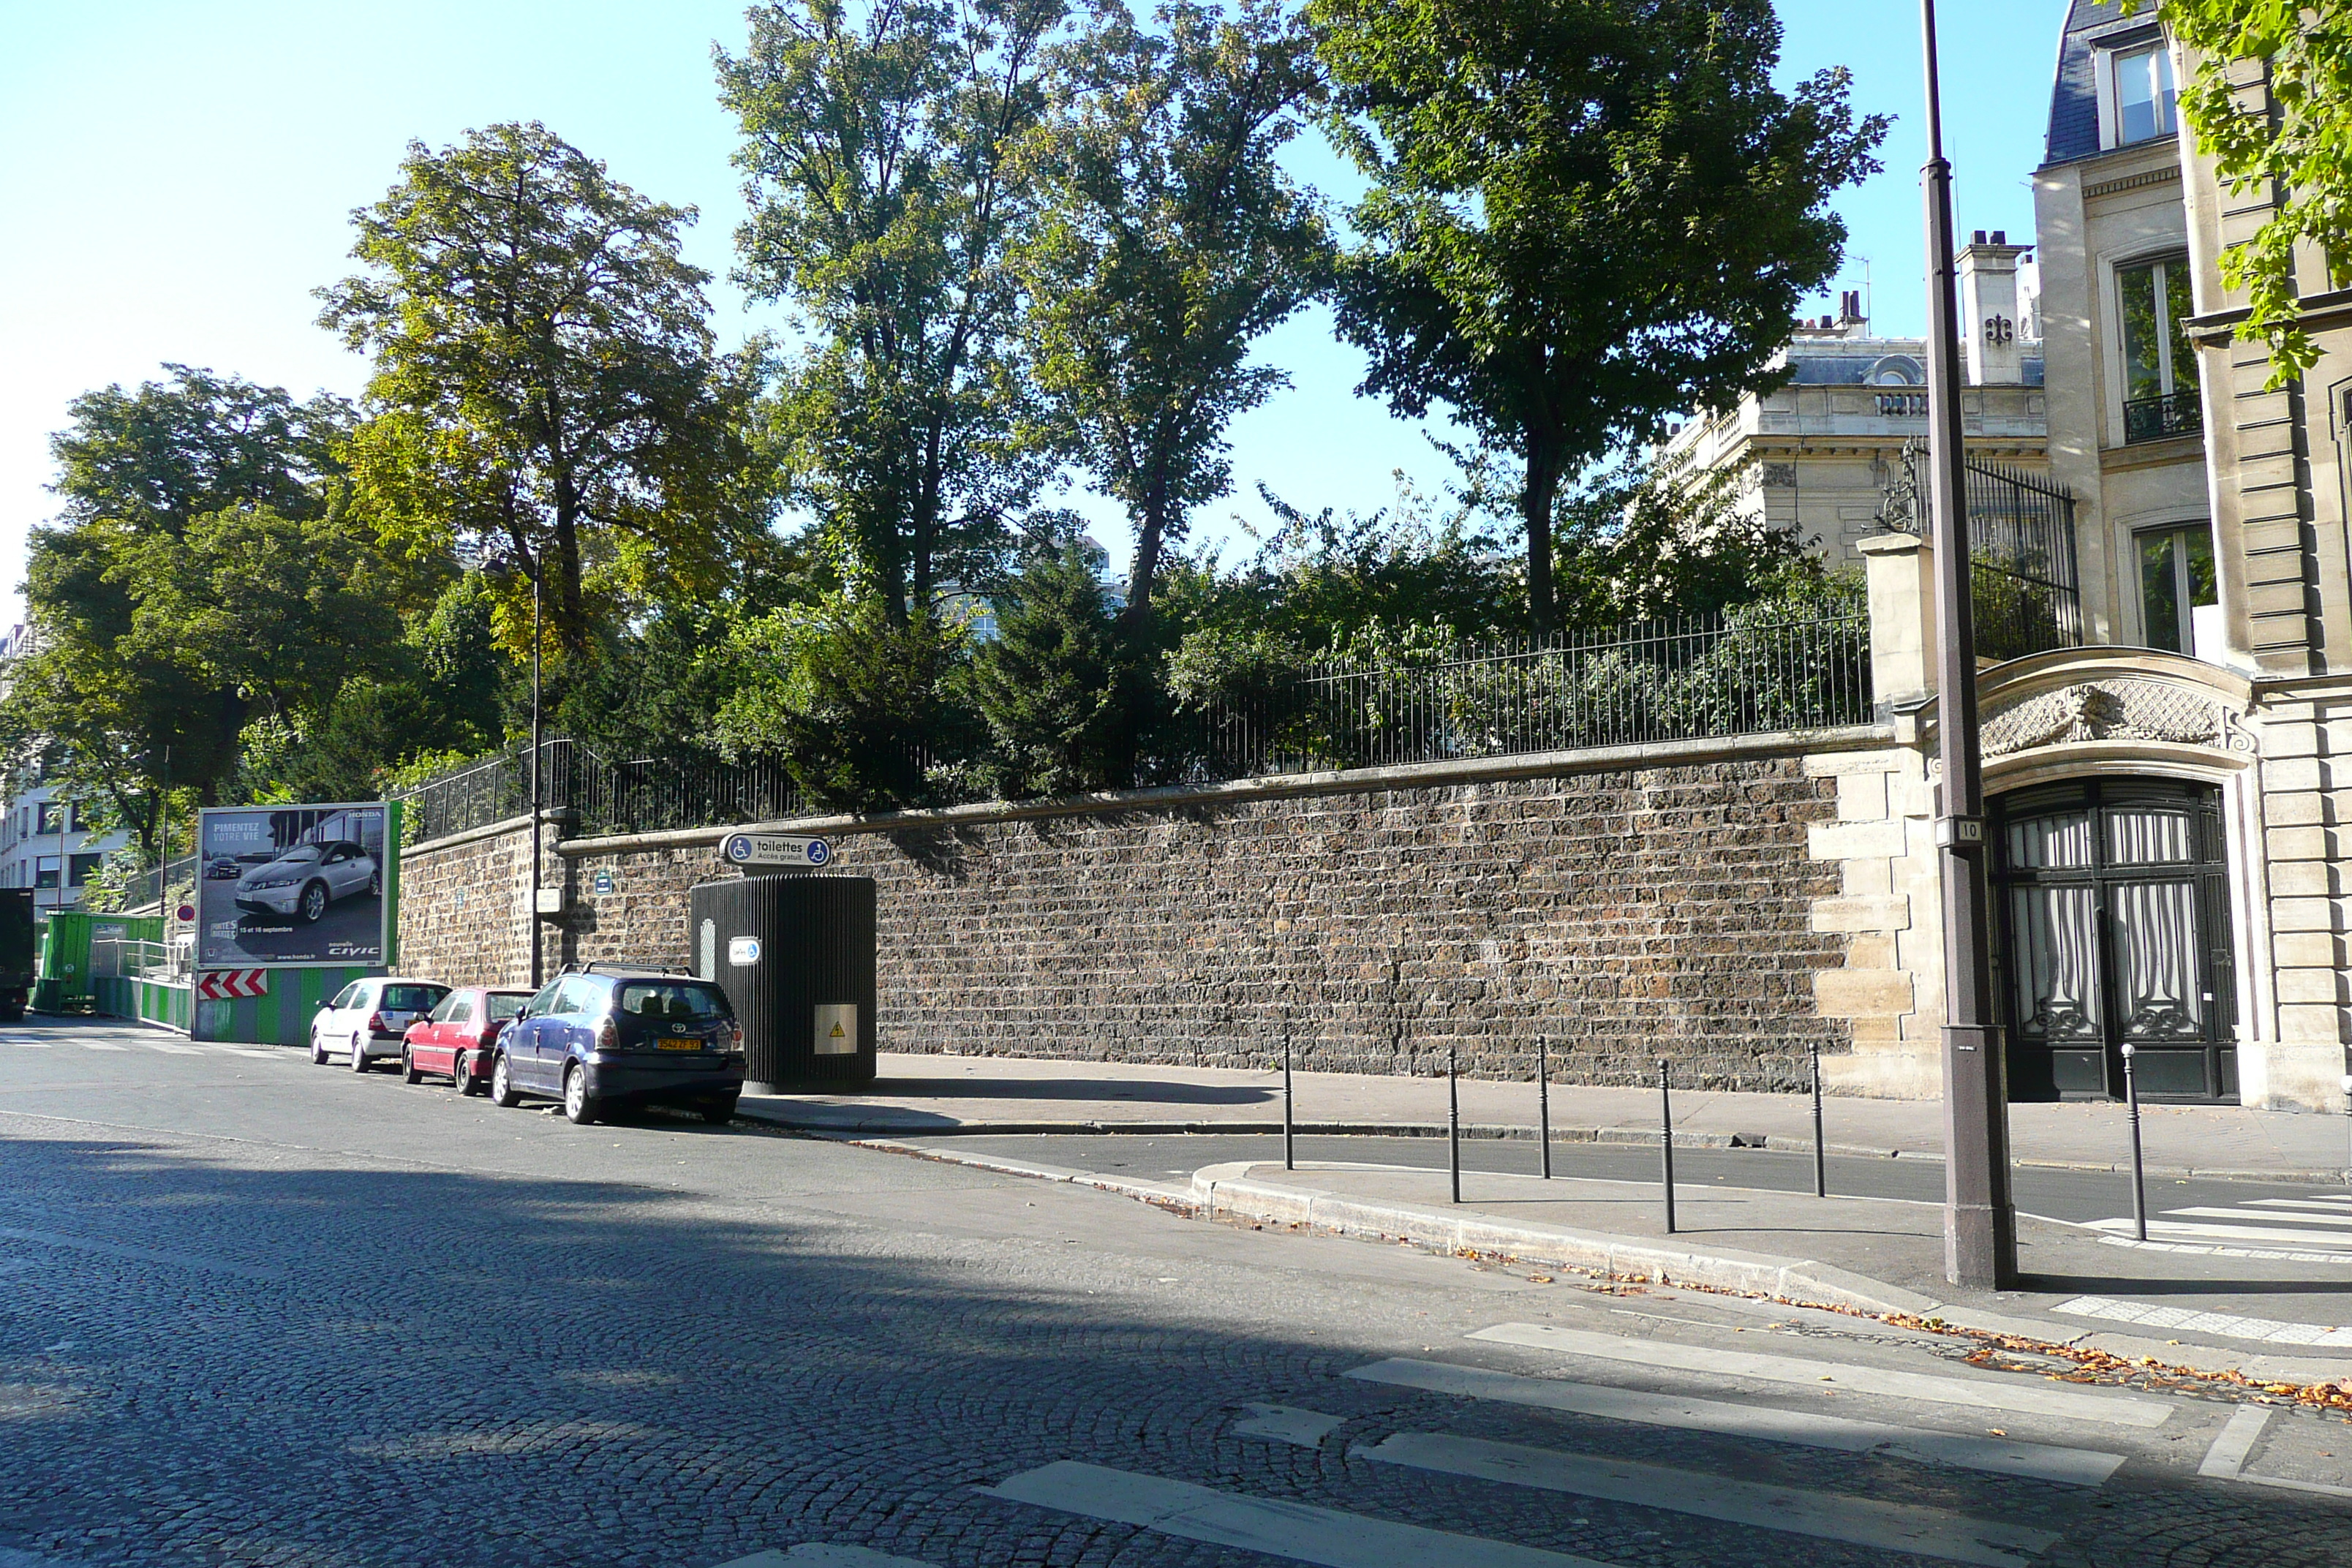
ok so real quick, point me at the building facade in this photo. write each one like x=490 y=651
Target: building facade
x=1818 y=454
x=2170 y=802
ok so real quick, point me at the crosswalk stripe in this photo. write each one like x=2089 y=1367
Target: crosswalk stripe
x=2145 y=1315
x=2187 y=1230
x=2333 y=1206
x=2227 y=1456
x=171 y=1050
x=31 y=1045
x=100 y=1046
x=2340 y=1218
x=1862 y=1521
x=2025 y=1399
x=1274 y=1526
x=2073 y=1466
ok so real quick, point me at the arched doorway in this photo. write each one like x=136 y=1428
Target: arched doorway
x=2112 y=901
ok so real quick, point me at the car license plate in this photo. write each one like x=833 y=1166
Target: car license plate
x=688 y=1045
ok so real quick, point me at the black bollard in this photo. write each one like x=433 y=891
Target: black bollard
x=2140 y=1175
x=1666 y=1139
x=1821 y=1150
x=1289 y=1161
x=1543 y=1101
x=1454 y=1118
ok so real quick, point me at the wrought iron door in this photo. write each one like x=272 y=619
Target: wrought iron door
x=2112 y=899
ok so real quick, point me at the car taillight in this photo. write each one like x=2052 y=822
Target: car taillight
x=608 y=1038
x=375 y=1023
x=734 y=1036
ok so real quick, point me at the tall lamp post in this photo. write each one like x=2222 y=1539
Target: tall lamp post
x=1980 y=1219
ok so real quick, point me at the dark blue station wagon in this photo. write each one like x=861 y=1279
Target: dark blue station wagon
x=600 y=1036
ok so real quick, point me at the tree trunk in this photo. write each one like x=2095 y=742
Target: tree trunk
x=1151 y=532
x=1535 y=514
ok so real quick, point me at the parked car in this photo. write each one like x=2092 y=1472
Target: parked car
x=368 y=1018
x=223 y=868
x=600 y=1036
x=456 y=1040
x=307 y=877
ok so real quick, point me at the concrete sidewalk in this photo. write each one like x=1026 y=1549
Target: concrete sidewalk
x=934 y=1094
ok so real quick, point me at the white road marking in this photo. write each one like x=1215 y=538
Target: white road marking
x=2071 y=1467
x=1891 y=1527
x=2333 y=1206
x=250 y=1051
x=1287 y=1424
x=100 y=1046
x=170 y=1050
x=1296 y=1531
x=2185 y=1230
x=2209 y=1249
x=31 y=1045
x=2227 y=1456
x=2340 y=1217
x=2269 y=1331
x=2025 y=1398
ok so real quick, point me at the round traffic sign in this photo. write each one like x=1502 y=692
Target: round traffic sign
x=187 y=914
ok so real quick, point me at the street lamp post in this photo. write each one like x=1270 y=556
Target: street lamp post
x=1979 y=1220
x=536 y=798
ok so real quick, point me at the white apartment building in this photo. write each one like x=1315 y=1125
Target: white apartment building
x=49 y=845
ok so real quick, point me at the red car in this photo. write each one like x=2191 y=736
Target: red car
x=456 y=1041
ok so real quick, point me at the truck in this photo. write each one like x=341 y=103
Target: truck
x=17 y=946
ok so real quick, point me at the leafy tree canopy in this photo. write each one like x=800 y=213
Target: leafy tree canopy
x=1167 y=239
x=1585 y=216
x=545 y=385
x=877 y=144
x=2296 y=142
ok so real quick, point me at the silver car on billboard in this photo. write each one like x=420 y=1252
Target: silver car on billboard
x=307 y=877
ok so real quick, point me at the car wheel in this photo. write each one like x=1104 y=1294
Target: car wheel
x=461 y=1072
x=359 y=1056
x=314 y=903
x=408 y=1073
x=502 y=1089
x=318 y=1051
x=720 y=1114
x=579 y=1106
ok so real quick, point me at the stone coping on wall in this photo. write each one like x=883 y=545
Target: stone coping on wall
x=1281 y=786
x=464 y=837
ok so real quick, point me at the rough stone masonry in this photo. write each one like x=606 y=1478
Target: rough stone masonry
x=1623 y=914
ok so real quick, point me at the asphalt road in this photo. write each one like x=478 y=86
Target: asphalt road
x=255 y=1312
x=2076 y=1196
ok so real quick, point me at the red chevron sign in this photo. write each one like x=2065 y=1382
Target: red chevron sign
x=228 y=985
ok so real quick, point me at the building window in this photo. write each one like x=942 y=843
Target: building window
x=2176 y=576
x=86 y=817
x=2144 y=94
x=52 y=818
x=44 y=873
x=82 y=869
x=2159 y=367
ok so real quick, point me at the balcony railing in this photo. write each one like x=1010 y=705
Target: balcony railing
x=2162 y=418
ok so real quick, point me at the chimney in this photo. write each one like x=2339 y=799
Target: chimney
x=1991 y=323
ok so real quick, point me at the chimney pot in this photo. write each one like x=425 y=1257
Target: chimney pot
x=2001 y=237
x=1979 y=239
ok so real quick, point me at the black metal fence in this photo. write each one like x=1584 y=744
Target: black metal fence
x=1744 y=673
x=2020 y=550
x=598 y=795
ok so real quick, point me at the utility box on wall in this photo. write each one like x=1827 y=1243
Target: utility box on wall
x=796 y=957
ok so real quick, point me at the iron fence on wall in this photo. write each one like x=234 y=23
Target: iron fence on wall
x=2021 y=552
x=1746 y=673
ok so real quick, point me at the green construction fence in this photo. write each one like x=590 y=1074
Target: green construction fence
x=281 y=1015
x=144 y=1001
x=62 y=982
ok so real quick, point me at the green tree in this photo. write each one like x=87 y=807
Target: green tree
x=544 y=385
x=1169 y=239
x=850 y=699
x=1052 y=685
x=2293 y=144
x=877 y=144
x=1584 y=216
x=112 y=712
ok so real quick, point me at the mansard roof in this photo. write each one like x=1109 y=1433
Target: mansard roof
x=2074 y=96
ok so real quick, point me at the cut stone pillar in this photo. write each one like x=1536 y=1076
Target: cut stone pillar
x=1901 y=569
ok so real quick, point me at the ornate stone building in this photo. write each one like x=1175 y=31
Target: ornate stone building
x=2170 y=801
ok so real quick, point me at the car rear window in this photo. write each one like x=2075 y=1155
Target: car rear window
x=674 y=1000
x=502 y=1007
x=413 y=998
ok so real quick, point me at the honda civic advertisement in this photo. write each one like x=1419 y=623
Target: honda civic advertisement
x=292 y=885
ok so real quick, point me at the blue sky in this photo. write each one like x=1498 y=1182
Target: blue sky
x=180 y=171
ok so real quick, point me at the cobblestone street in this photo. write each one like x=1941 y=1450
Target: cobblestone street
x=255 y=1312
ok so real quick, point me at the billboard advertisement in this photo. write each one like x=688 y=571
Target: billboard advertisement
x=293 y=887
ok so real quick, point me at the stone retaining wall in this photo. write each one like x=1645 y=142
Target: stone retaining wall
x=1624 y=913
